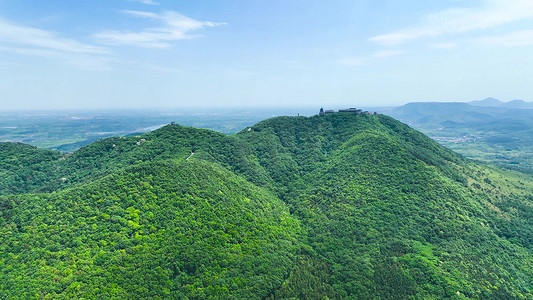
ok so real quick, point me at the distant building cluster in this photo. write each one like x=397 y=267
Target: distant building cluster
x=456 y=139
x=347 y=110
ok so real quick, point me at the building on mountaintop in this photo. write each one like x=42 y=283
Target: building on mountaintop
x=351 y=109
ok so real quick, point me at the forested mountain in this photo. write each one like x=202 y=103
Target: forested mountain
x=338 y=206
x=25 y=168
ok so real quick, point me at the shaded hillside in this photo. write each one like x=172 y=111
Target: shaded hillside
x=343 y=206
x=25 y=168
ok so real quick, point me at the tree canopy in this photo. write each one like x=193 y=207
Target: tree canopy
x=338 y=206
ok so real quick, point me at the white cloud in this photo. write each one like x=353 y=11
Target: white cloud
x=457 y=20
x=82 y=61
x=24 y=40
x=513 y=39
x=174 y=27
x=23 y=36
x=148 y=2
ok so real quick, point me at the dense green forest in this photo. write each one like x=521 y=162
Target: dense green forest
x=338 y=206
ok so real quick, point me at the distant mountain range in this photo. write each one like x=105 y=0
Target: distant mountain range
x=459 y=112
x=493 y=102
x=496 y=131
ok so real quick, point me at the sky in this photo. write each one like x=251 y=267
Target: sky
x=99 y=54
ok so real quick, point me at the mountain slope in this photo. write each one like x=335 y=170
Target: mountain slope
x=343 y=206
x=401 y=221
x=395 y=215
x=164 y=229
x=112 y=154
x=487 y=102
x=171 y=141
x=25 y=168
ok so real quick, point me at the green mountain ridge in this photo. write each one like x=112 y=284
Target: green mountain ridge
x=189 y=227
x=340 y=206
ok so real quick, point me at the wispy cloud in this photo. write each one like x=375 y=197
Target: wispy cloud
x=148 y=2
x=174 y=26
x=458 y=20
x=30 y=41
x=23 y=36
x=359 y=61
x=82 y=61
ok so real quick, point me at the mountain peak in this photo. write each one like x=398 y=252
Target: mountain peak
x=486 y=102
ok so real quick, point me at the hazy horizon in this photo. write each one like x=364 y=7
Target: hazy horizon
x=213 y=110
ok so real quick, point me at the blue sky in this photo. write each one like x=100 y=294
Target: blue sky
x=57 y=54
